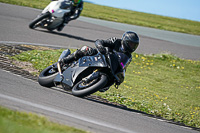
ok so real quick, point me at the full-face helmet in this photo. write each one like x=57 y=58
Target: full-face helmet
x=130 y=41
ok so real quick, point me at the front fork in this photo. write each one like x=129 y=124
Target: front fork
x=59 y=68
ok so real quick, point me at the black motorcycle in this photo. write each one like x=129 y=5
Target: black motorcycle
x=87 y=75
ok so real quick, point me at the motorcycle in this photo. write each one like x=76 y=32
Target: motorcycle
x=87 y=75
x=52 y=16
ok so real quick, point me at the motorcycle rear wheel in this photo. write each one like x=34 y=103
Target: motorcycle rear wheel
x=82 y=90
x=47 y=76
x=34 y=23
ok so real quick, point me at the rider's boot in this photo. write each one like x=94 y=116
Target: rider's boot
x=70 y=58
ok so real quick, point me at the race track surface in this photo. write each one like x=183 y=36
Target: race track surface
x=23 y=94
x=14 y=22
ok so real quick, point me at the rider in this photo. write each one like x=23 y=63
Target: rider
x=76 y=9
x=124 y=46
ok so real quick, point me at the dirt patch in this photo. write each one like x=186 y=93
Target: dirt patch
x=13 y=49
x=25 y=66
x=36 y=47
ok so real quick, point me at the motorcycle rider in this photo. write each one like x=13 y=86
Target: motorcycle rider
x=76 y=9
x=123 y=47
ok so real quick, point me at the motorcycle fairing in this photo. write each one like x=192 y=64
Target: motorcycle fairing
x=72 y=72
x=54 y=8
x=50 y=7
x=93 y=61
x=69 y=76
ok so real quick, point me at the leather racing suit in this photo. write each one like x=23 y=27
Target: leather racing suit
x=120 y=59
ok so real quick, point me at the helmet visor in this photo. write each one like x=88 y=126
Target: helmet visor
x=132 y=45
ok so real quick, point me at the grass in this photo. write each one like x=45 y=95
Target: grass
x=120 y=15
x=162 y=84
x=19 y=122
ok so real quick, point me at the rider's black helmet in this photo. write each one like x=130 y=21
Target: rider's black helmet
x=130 y=41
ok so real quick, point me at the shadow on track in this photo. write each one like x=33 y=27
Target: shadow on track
x=66 y=35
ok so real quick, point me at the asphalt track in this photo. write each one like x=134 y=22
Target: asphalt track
x=26 y=95
x=14 y=28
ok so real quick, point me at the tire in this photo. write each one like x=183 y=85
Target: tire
x=46 y=77
x=100 y=83
x=32 y=25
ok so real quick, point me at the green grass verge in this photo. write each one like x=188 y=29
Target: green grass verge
x=162 y=84
x=19 y=122
x=120 y=15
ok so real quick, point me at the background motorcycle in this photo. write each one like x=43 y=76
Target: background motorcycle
x=85 y=76
x=52 y=16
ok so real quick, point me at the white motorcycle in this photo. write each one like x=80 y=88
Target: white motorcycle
x=52 y=16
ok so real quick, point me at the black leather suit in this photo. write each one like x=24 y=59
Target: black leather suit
x=120 y=58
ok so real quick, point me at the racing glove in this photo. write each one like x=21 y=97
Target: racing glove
x=100 y=47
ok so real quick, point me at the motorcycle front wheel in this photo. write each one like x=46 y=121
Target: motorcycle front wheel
x=81 y=89
x=47 y=76
x=35 y=23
